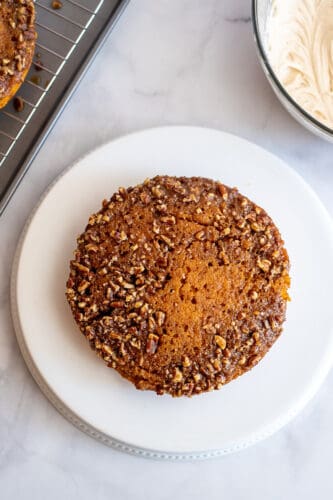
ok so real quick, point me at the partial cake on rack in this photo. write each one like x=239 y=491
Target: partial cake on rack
x=17 y=45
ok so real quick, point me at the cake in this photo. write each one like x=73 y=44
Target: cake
x=180 y=284
x=17 y=45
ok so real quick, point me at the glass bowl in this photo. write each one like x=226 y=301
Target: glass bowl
x=260 y=14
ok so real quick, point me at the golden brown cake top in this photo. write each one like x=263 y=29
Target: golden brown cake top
x=180 y=284
x=17 y=42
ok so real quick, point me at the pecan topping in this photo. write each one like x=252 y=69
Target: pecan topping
x=179 y=284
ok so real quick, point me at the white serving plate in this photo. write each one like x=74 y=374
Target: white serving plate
x=95 y=398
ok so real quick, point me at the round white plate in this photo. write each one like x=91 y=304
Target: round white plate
x=95 y=397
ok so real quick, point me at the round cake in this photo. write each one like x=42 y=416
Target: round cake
x=17 y=44
x=180 y=284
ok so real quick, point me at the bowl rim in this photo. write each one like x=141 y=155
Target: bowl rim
x=265 y=60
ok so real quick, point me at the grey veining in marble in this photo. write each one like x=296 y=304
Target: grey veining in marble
x=167 y=62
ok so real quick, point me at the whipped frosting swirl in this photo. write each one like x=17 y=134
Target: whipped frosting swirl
x=300 y=47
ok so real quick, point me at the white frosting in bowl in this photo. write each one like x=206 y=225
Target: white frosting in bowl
x=300 y=49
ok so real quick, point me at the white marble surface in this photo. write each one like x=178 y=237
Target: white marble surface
x=167 y=62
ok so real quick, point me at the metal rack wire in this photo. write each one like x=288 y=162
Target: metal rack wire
x=66 y=37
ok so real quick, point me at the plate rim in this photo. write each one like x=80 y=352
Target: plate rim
x=79 y=422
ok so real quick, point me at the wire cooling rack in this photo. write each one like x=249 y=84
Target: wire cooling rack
x=68 y=39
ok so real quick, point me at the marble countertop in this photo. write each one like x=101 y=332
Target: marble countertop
x=167 y=62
